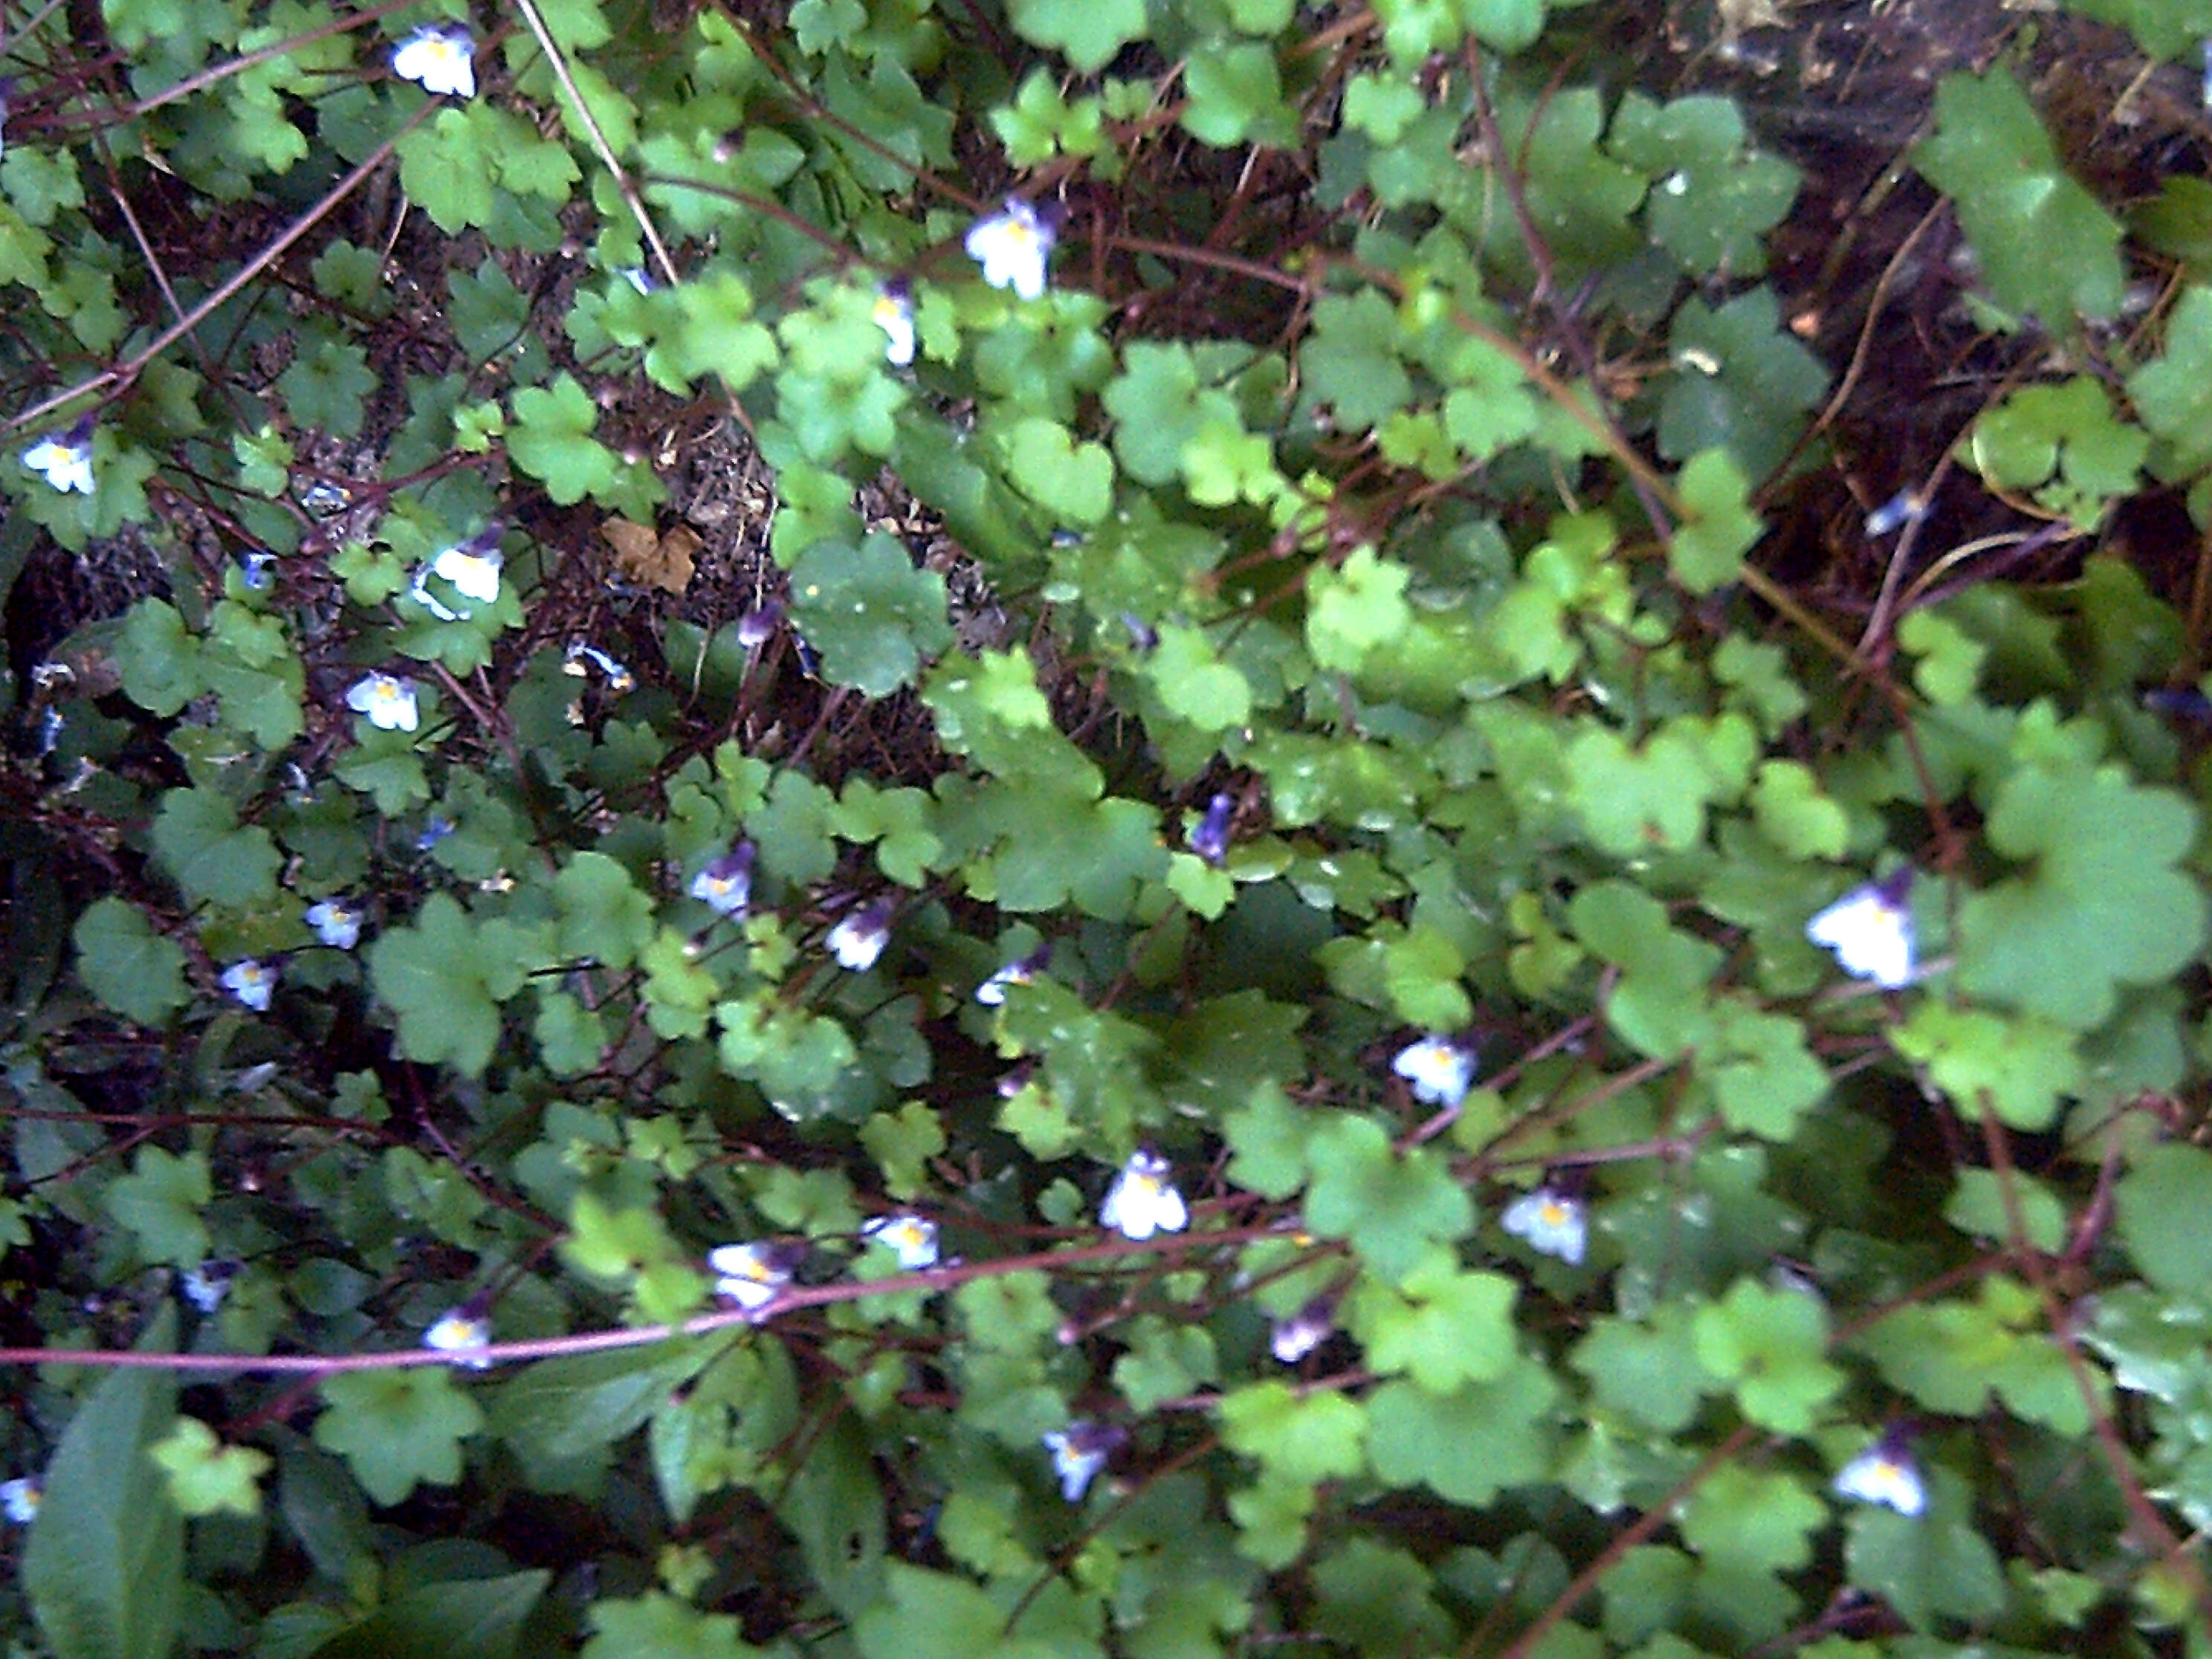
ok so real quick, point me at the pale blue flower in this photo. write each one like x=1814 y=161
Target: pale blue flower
x=894 y=314
x=205 y=1286
x=992 y=991
x=1554 y=1222
x=252 y=982
x=1079 y=1451
x=19 y=1499
x=337 y=922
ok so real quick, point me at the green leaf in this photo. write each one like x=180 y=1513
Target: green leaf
x=396 y=1429
x=1444 y=1326
x=127 y=965
x=328 y=386
x=1235 y=96
x=1468 y=1446
x=569 y=1407
x=1645 y=1370
x=206 y=1477
x=1194 y=684
x=1933 y=1567
x=1770 y=1344
x=444 y=979
x=1349 y=360
x=2102 y=906
x=659 y=1627
x=1952 y=1356
x=550 y=439
x=1355 y=609
x=161 y=1200
x=1089 y=33
x=1315 y=1437
x=103 y=1568
x=2045 y=244
x=602 y=915
x=1752 y=1520
x=2173 y=395
x=1718 y=526
x=1392 y=1207
x=447 y=1619
x=211 y=857
x=1744 y=384
x=2161 y=1203
x=1713 y=200
x=870 y=612
x=1072 y=480
x=2026 y=1069
x=159 y=658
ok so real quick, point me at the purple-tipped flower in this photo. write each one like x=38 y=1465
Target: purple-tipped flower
x=1870 y=931
x=1209 y=838
x=752 y=1275
x=756 y=627
x=1885 y=1474
x=725 y=885
x=579 y=652
x=256 y=569
x=1079 y=1451
x=1012 y=245
x=1553 y=1219
x=252 y=982
x=1439 y=1069
x=992 y=991
x=473 y=566
x=1142 y=1202
x=1294 y=1337
x=439 y=57
x=462 y=1332
x=388 y=700
x=894 y=314
x=435 y=829
x=337 y=922
x=911 y=1238
x=859 y=940
x=64 y=458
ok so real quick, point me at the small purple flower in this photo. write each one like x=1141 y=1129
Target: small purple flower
x=435 y=830
x=992 y=991
x=756 y=627
x=1142 y=1201
x=1870 y=931
x=19 y=1499
x=859 y=940
x=724 y=884
x=1209 y=838
x=1294 y=1337
x=256 y=569
x=1079 y=1451
x=1885 y=1474
x=64 y=458
x=579 y=652
x=388 y=700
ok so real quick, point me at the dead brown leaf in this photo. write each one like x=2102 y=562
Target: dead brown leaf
x=644 y=556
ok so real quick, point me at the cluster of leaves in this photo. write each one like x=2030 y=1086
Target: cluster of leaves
x=1324 y=500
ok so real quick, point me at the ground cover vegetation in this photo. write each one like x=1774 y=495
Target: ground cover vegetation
x=1169 y=827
